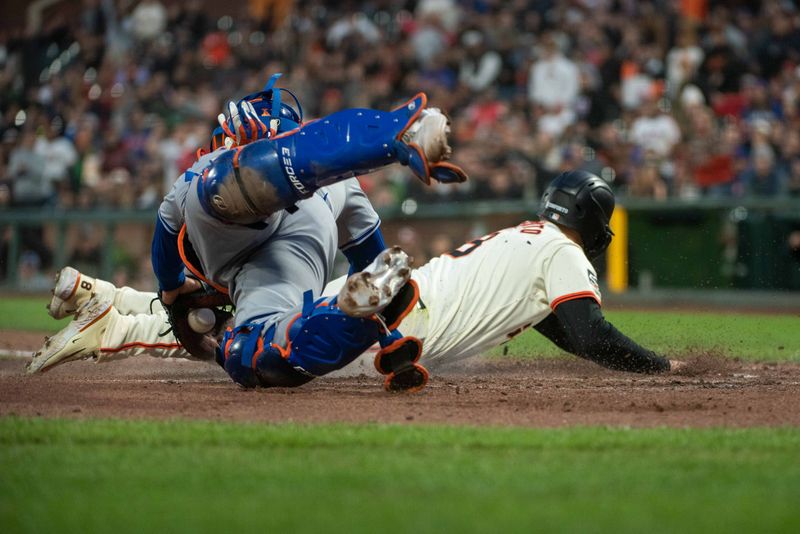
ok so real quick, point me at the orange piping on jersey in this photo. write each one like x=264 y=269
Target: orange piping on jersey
x=143 y=345
x=573 y=296
x=75 y=287
x=195 y=271
x=96 y=319
x=410 y=307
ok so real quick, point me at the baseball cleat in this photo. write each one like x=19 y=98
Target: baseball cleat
x=79 y=340
x=430 y=132
x=371 y=290
x=399 y=362
x=72 y=289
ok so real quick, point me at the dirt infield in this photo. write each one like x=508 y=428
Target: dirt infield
x=710 y=391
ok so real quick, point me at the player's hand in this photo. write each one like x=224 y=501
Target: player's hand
x=243 y=125
x=189 y=285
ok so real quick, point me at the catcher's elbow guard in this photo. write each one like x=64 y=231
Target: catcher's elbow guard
x=247 y=184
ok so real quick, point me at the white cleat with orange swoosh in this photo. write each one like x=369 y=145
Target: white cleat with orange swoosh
x=79 y=340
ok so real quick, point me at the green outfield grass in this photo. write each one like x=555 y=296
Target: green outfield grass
x=27 y=313
x=751 y=336
x=124 y=476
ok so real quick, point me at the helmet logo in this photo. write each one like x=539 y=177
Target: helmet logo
x=556 y=207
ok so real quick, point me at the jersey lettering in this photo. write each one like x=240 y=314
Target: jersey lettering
x=470 y=246
x=531 y=227
x=86 y=285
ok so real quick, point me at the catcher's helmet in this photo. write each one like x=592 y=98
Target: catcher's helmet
x=584 y=202
x=269 y=99
x=264 y=101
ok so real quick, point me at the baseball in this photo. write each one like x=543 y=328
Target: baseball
x=202 y=320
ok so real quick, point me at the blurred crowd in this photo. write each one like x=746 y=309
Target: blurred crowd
x=103 y=106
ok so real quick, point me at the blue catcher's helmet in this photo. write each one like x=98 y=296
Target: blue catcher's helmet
x=263 y=102
x=269 y=99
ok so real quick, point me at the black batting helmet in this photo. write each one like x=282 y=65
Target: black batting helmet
x=584 y=202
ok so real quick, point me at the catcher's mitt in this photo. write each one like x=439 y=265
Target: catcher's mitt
x=201 y=346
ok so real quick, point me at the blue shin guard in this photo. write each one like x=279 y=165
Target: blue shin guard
x=327 y=339
x=247 y=184
x=318 y=340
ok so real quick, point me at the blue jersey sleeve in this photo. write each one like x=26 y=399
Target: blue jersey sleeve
x=361 y=253
x=166 y=259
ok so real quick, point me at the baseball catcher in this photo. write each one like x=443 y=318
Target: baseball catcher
x=259 y=219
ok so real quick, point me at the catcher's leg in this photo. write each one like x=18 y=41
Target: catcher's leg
x=323 y=338
x=311 y=343
x=318 y=340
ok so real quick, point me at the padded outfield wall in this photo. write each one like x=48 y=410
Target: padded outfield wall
x=705 y=245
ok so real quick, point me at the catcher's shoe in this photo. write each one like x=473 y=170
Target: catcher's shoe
x=399 y=362
x=72 y=289
x=79 y=340
x=370 y=291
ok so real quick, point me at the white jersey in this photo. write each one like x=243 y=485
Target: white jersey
x=491 y=289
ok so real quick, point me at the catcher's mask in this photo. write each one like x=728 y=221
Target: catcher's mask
x=583 y=202
x=264 y=101
x=269 y=99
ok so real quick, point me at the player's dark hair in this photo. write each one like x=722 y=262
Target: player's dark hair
x=583 y=202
